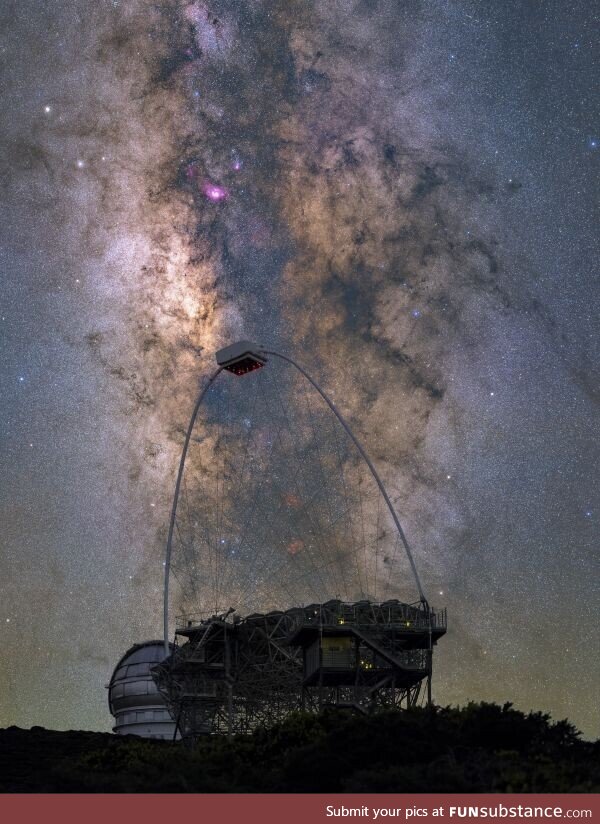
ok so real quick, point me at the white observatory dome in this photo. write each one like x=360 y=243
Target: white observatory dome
x=134 y=701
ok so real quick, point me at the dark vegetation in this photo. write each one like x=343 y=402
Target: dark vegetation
x=480 y=748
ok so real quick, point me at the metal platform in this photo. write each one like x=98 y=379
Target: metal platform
x=233 y=674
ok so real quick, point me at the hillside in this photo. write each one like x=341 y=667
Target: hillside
x=480 y=748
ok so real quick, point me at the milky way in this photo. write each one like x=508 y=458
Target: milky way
x=401 y=194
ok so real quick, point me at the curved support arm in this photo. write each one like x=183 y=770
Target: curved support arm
x=186 y=444
x=353 y=438
x=374 y=472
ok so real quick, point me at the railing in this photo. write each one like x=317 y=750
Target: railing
x=332 y=613
x=364 y=613
x=193 y=619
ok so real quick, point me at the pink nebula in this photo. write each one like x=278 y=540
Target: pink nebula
x=213 y=192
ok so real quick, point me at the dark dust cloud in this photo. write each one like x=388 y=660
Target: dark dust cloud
x=402 y=194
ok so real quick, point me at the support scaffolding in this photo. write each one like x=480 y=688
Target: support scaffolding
x=231 y=675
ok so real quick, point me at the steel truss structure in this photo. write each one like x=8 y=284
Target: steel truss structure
x=231 y=675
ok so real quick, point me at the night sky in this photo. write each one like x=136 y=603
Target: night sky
x=404 y=196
